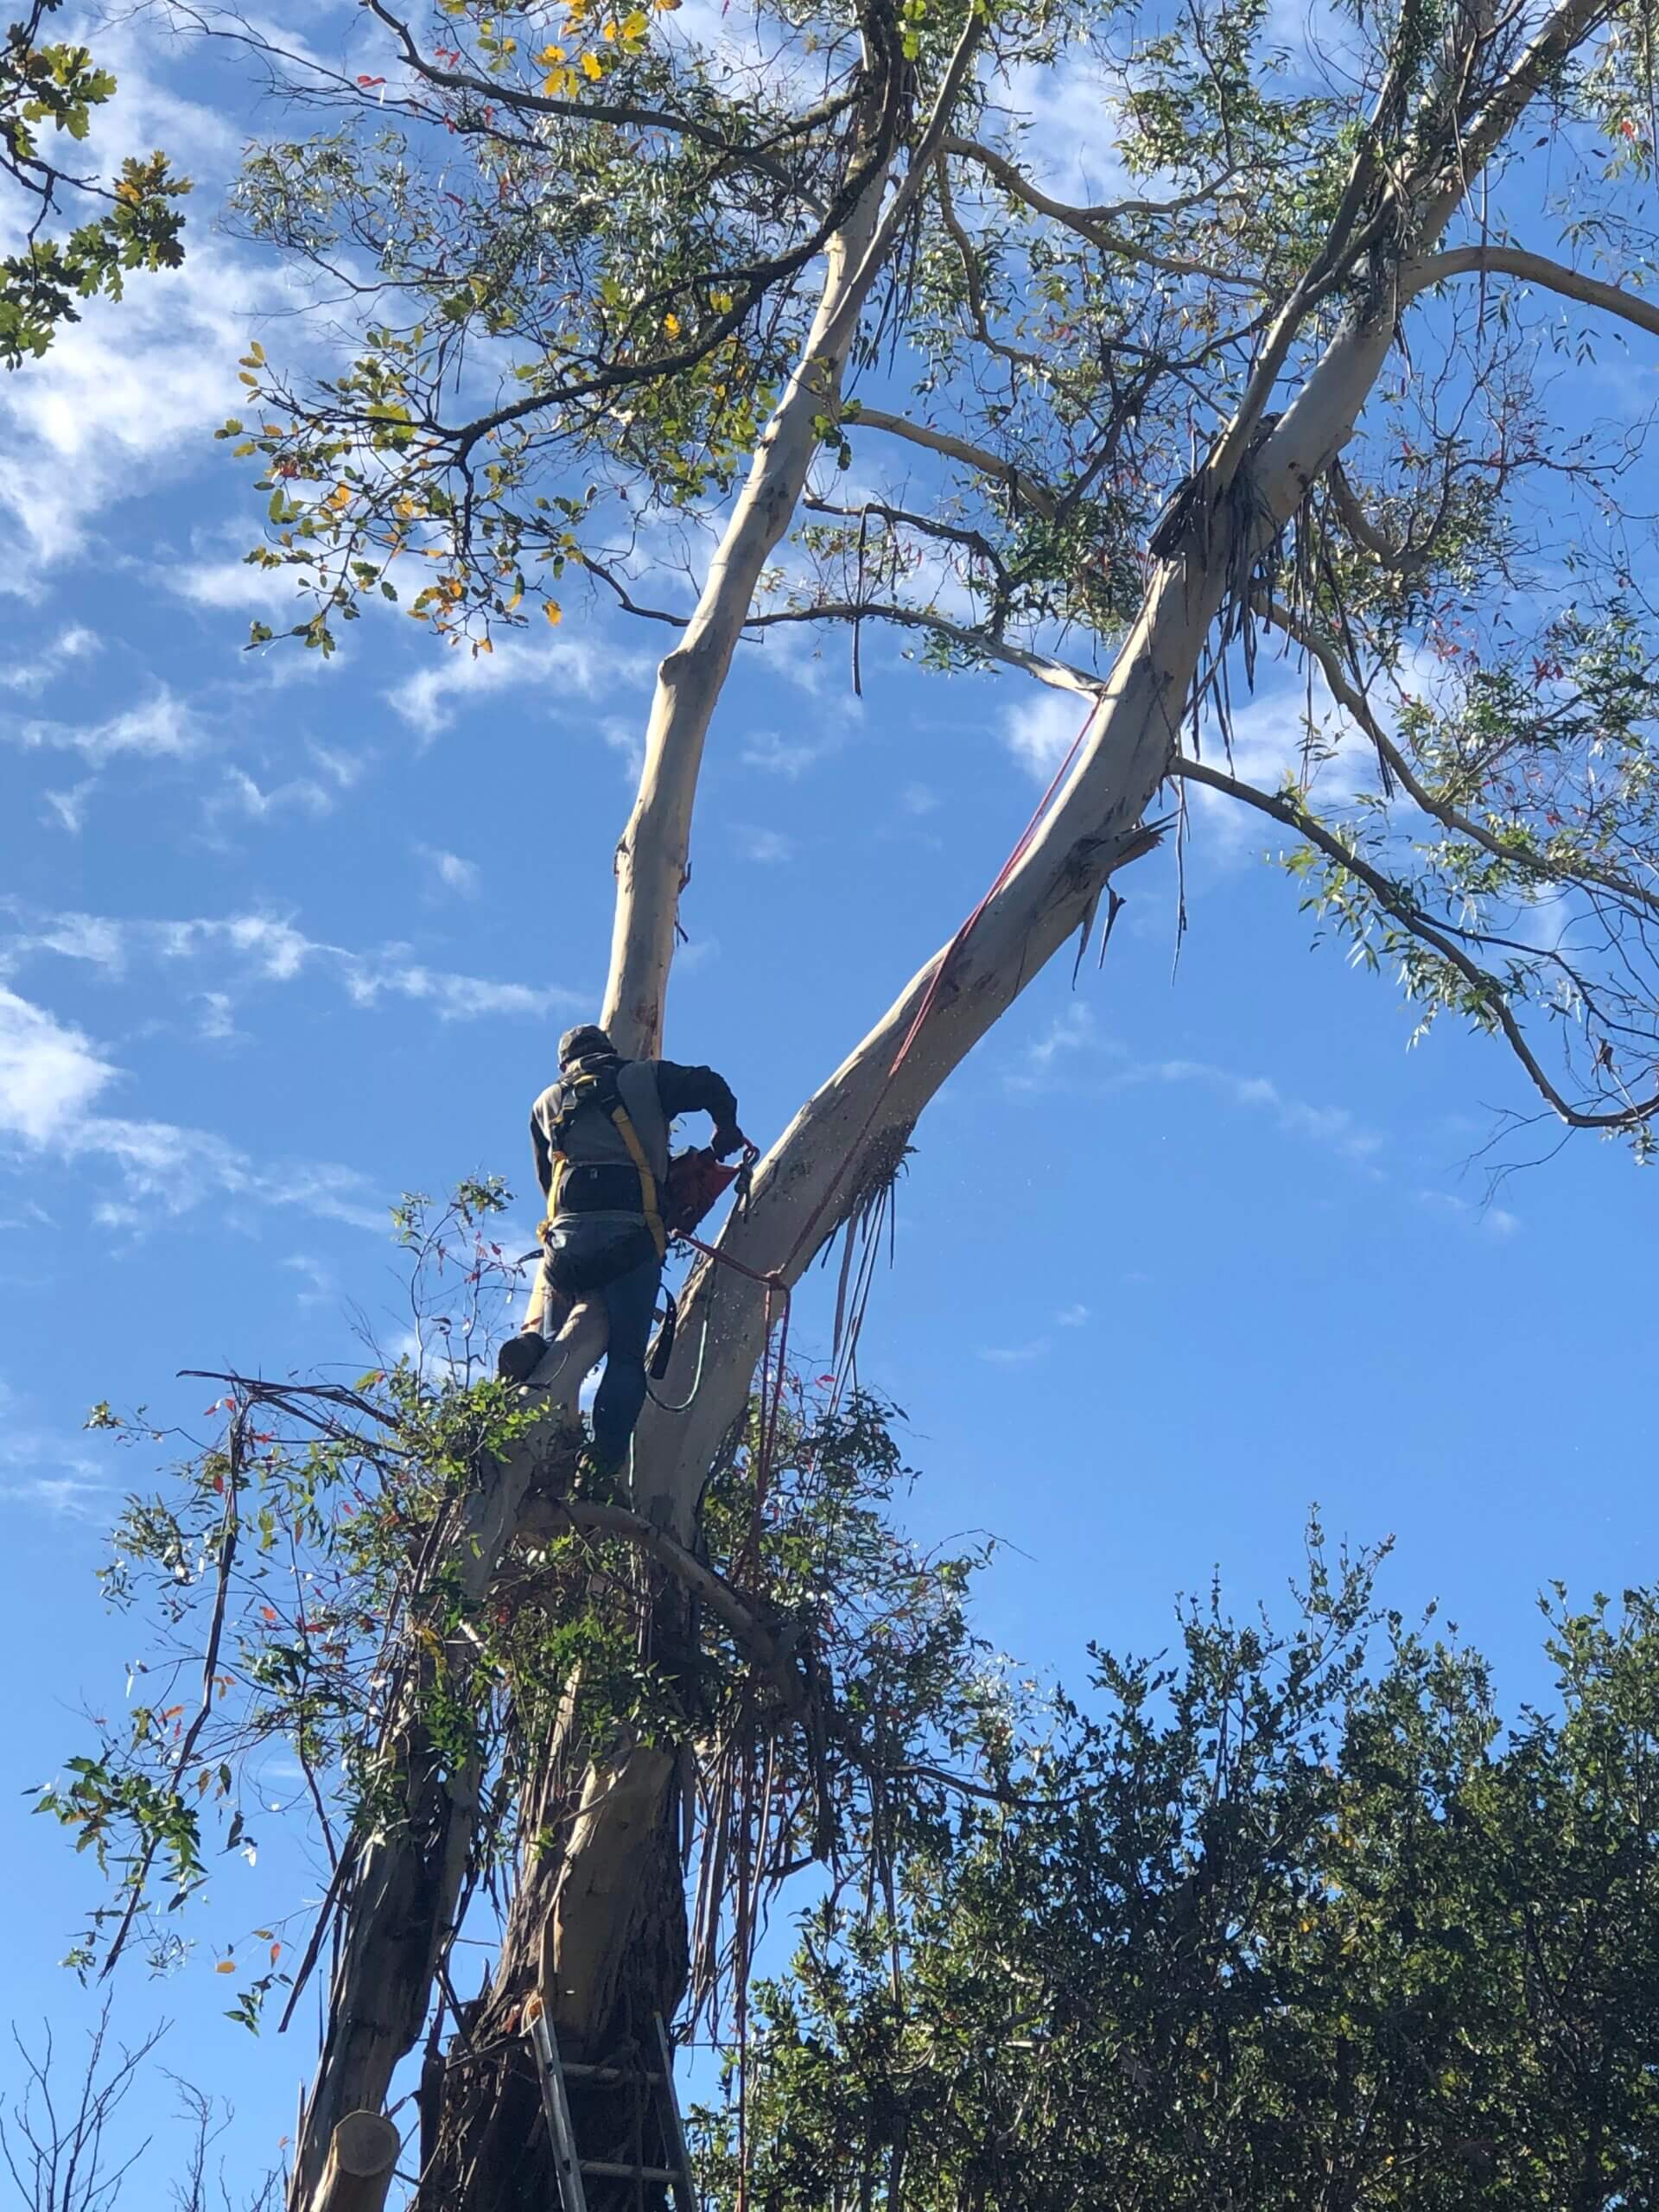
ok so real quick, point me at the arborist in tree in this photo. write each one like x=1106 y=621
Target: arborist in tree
x=601 y=1136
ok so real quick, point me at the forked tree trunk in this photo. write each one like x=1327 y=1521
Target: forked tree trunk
x=598 y=1915
x=598 y=1930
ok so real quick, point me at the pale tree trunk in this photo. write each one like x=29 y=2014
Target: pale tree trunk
x=653 y=858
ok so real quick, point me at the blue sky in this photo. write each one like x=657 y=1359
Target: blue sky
x=1181 y=1251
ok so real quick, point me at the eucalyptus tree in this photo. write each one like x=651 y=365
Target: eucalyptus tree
x=813 y=288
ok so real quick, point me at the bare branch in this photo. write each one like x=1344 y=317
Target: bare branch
x=1020 y=481
x=1058 y=674
x=1393 y=900
x=1094 y=224
x=1534 y=268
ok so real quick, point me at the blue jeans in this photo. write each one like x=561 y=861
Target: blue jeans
x=629 y=1303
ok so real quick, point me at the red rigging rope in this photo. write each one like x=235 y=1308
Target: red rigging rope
x=999 y=884
x=774 y=1375
x=774 y=1281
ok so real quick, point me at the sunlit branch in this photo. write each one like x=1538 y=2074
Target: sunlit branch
x=1041 y=501
x=1534 y=268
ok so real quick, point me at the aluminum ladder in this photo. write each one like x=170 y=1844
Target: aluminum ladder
x=655 y=2085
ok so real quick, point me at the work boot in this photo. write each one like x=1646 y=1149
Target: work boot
x=521 y=1357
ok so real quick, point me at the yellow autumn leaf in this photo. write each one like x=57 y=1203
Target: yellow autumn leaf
x=551 y=56
x=635 y=25
x=671 y=325
x=553 y=611
x=610 y=31
x=339 y=497
x=593 y=67
x=226 y=1965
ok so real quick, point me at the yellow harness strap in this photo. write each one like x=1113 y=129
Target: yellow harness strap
x=648 y=1205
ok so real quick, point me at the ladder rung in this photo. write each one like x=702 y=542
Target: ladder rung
x=614 y=2170
x=574 y=2073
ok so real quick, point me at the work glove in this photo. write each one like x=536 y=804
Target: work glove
x=725 y=1142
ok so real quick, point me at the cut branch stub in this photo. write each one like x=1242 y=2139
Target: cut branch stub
x=362 y=2158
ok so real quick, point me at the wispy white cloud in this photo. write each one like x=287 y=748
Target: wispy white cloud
x=44 y=1471
x=1015 y=1355
x=1039 y=730
x=49 y=1073
x=1071 y=1039
x=1071 y=1317
x=429 y=700
x=68 y=809
x=218 y=1022
x=269 y=949
x=32 y=676
x=1325 y=1125
x=448 y=872
x=451 y=998
x=1484 y=1220
x=162 y=727
x=1072 y=1053
x=918 y=799
x=51 y=1076
x=239 y=798
x=319 y=1278
x=133 y=391
x=777 y=755
x=769 y=847
x=238 y=585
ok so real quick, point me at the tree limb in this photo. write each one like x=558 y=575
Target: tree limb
x=1534 y=268
x=1058 y=674
x=1390 y=896
x=1037 y=497
x=1354 y=702
x=1092 y=224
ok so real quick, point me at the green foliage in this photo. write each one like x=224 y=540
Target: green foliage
x=298 y=1578
x=1288 y=1920
x=49 y=92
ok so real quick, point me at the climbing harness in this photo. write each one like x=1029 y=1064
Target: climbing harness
x=597 y=1087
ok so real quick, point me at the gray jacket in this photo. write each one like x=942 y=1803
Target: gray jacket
x=653 y=1093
